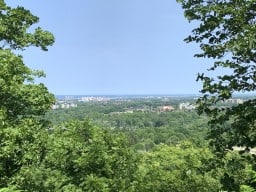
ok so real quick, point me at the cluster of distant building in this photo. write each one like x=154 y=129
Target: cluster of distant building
x=189 y=106
x=64 y=105
x=67 y=105
x=182 y=106
x=71 y=102
x=88 y=99
x=186 y=106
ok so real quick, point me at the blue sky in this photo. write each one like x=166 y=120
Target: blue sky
x=115 y=47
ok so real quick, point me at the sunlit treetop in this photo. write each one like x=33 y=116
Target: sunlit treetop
x=16 y=32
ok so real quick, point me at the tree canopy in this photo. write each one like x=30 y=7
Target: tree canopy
x=19 y=95
x=22 y=101
x=14 y=26
x=226 y=33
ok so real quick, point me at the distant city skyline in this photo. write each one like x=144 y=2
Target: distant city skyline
x=115 y=47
